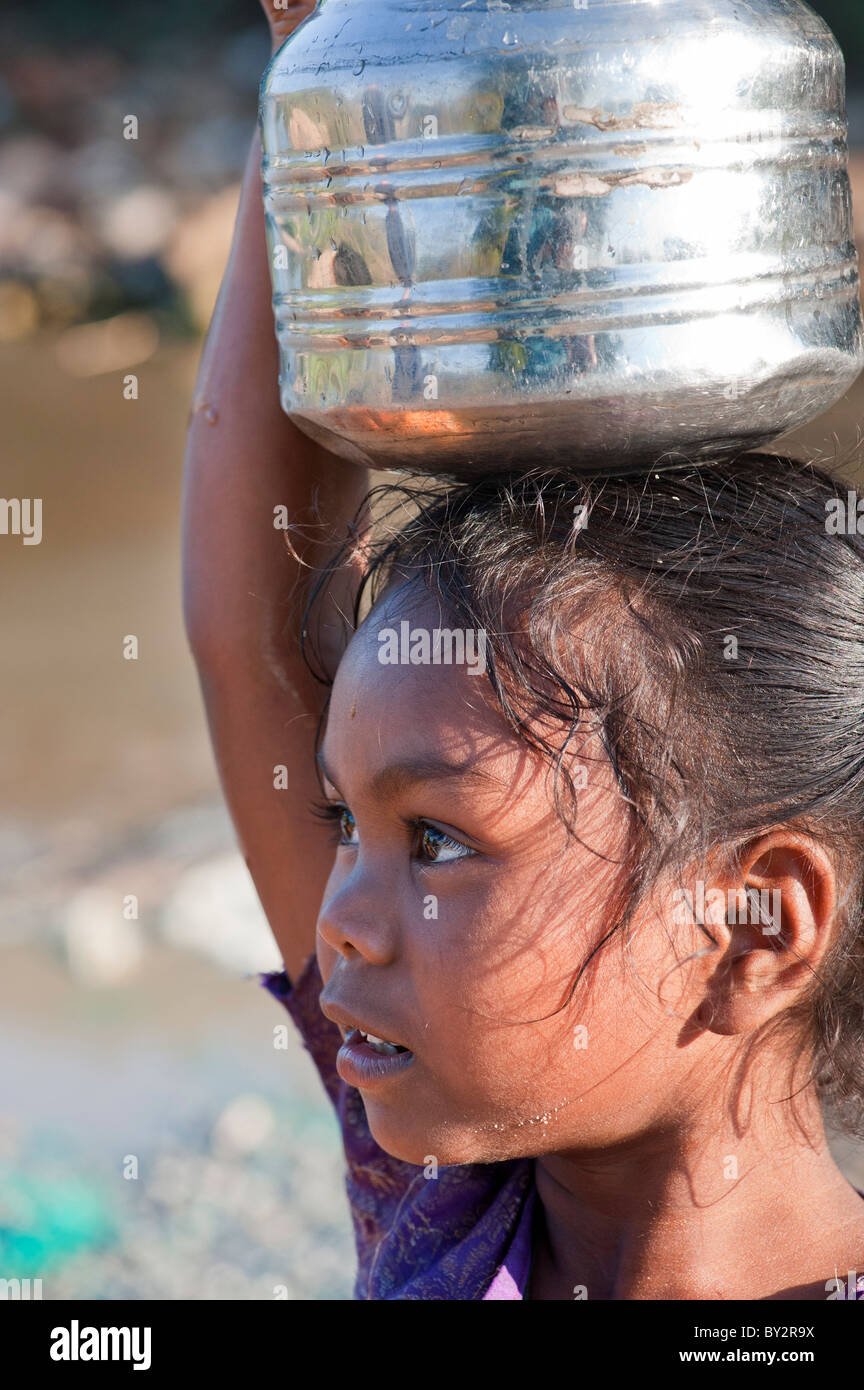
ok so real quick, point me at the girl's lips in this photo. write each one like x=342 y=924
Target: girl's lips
x=361 y=1065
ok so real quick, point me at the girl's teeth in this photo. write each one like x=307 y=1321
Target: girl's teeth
x=381 y=1045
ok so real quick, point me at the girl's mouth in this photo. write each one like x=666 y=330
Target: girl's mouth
x=387 y=1049
x=363 y=1059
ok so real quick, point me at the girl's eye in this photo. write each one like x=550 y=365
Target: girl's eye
x=441 y=848
x=435 y=846
x=340 y=818
x=347 y=826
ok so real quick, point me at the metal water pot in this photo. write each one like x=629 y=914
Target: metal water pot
x=582 y=232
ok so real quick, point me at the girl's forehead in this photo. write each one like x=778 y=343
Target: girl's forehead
x=394 y=707
x=411 y=663
x=406 y=597
x=408 y=682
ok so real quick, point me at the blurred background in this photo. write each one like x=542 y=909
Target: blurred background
x=132 y=1023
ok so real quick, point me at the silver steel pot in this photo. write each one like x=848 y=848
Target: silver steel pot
x=581 y=233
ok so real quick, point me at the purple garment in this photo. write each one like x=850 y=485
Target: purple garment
x=463 y=1235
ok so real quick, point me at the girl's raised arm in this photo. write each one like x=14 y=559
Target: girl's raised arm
x=242 y=599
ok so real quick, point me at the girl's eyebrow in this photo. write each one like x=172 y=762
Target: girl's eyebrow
x=397 y=777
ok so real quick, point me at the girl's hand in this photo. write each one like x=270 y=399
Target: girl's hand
x=284 y=20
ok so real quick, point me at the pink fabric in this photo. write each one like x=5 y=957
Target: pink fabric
x=511 y=1277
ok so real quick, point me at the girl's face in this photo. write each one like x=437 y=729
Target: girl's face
x=458 y=913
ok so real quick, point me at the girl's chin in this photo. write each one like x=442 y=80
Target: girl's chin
x=432 y=1146
x=420 y=1149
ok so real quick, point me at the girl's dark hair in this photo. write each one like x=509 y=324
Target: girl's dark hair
x=722 y=654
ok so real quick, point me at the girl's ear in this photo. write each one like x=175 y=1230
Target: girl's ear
x=780 y=921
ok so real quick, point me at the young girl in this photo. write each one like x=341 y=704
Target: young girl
x=579 y=955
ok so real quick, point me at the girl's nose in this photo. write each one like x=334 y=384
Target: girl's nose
x=355 y=920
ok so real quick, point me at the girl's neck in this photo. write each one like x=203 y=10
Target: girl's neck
x=696 y=1213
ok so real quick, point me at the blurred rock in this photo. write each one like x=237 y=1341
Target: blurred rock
x=65 y=294
x=11 y=1137
x=90 y=349
x=102 y=947
x=35 y=238
x=245 y=56
x=59 y=82
x=208 y=154
x=193 y=832
x=7 y=104
x=103 y=168
x=198 y=251
x=214 y=910
x=90 y=219
x=244 y=1126
x=29 y=165
x=19 y=311
x=143 y=283
x=138 y=223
